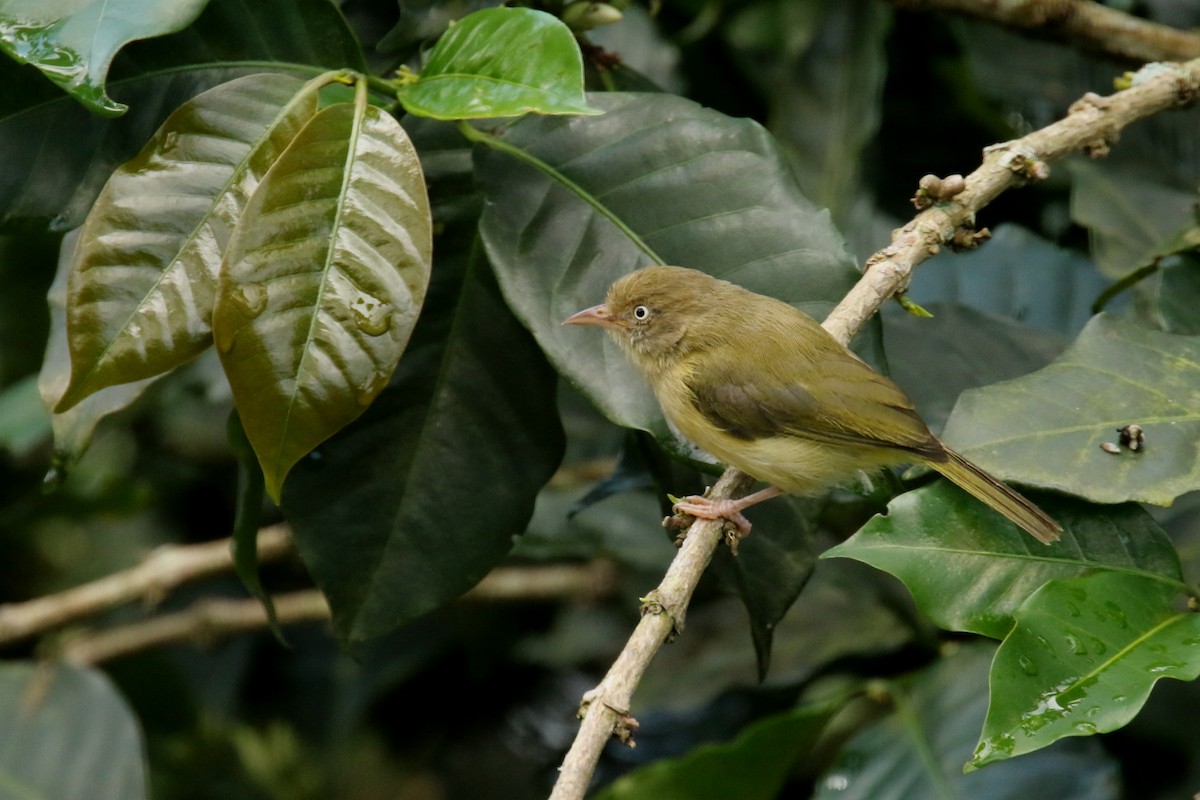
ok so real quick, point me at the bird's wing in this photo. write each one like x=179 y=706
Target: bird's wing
x=827 y=396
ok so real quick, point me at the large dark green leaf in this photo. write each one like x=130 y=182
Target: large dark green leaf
x=968 y=569
x=411 y=505
x=654 y=179
x=52 y=179
x=73 y=43
x=142 y=286
x=67 y=735
x=917 y=752
x=1046 y=429
x=324 y=279
x=500 y=62
x=1082 y=659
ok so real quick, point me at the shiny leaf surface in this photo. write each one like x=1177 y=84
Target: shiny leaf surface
x=323 y=282
x=1082 y=659
x=968 y=569
x=142 y=285
x=73 y=43
x=500 y=62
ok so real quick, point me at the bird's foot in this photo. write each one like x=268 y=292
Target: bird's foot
x=737 y=527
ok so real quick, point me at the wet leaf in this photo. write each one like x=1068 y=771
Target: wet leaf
x=323 y=282
x=1082 y=659
x=52 y=180
x=73 y=42
x=141 y=290
x=500 y=62
x=1045 y=429
x=917 y=751
x=67 y=735
x=969 y=569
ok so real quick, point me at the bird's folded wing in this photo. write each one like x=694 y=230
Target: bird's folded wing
x=829 y=398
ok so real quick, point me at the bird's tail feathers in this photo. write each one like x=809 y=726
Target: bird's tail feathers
x=993 y=492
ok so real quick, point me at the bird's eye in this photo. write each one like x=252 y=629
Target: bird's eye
x=641 y=312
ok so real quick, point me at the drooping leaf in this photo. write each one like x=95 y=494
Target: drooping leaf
x=1082 y=659
x=1046 y=429
x=751 y=767
x=247 y=518
x=67 y=735
x=142 y=285
x=654 y=179
x=73 y=43
x=415 y=502
x=73 y=428
x=917 y=752
x=1177 y=291
x=52 y=179
x=968 y=569
x=323 y=282
x=500 y=62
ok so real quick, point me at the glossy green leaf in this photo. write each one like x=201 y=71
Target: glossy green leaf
x=142 y=285
x=73 y=43
x=500 y=62
x=917 y=751
x=574 y=203
x=415 y=502
x=969 y=569
x=1177 y=292
x=1082 y=659
x=52 y=179
x=753 y=766
x=1046 y=429
x=67 y=735
x=73 y=428
x=323 y=282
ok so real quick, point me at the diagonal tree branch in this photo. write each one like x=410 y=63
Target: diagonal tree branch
x=1089 y=25
x=1091 y=125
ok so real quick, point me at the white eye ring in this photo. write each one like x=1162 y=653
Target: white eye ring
x=641 y=312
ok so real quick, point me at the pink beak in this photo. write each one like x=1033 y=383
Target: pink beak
x=596 y=315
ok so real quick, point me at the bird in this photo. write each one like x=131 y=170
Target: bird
x=762 y=387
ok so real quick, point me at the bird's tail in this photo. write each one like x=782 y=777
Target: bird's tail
x=996 y=494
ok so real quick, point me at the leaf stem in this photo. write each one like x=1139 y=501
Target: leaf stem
x=1127 y=281
x=494 y=142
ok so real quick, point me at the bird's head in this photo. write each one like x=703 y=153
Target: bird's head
x=658 y=314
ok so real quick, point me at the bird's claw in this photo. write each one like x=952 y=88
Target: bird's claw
x=737 y=527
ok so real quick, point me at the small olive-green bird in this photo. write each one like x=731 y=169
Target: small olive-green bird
x=764 y=388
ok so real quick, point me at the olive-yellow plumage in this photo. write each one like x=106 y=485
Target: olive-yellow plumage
x=764 y=388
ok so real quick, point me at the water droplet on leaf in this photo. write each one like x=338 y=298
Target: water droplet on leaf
x=252 y=297
x=1076 y=646
x=1027 y=666
x=370 y=388
x=372 y=316
x=170 y=141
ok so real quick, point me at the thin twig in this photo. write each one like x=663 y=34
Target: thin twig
x=1089 y=25
x=164 y=569
x=1092 y=124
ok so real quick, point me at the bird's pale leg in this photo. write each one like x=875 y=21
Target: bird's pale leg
x=707 y=508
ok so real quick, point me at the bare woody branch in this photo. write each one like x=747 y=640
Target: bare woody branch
x=1092 y=124
x=1089 y=25
x=163 y=570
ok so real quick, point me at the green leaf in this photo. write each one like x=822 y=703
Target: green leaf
x=1177 y=291
x=67 y=735
x=243 y=542
x=73 y=42
x=917 y=752
x=500 y=62
x=969 y=570
x=414 y=503
x=73 y=428
x=936 y=359
x=753 y=766
x=1082 y=659
x=574 y=203
x=1046 y=429
x=323 y=282
x=52 y=179
x=142 y=285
